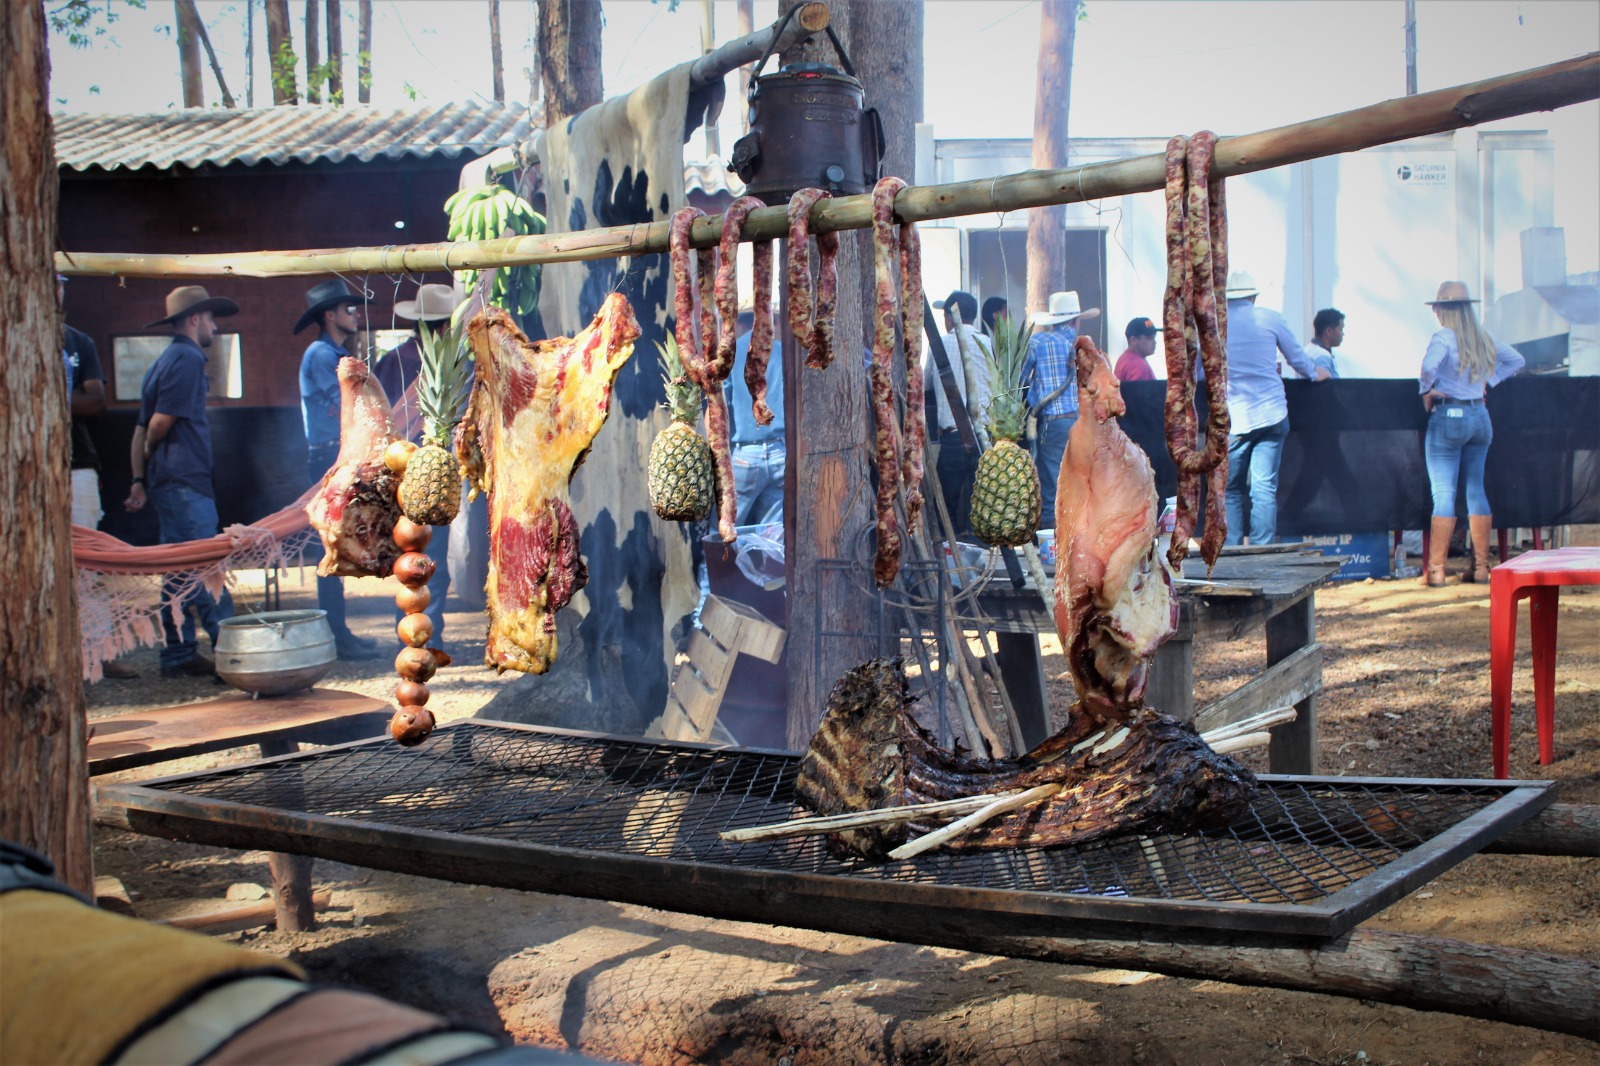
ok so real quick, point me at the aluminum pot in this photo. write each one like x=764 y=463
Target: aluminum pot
x=275 y=652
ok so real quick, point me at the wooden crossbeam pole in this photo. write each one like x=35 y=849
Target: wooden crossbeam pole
x=1544 y=88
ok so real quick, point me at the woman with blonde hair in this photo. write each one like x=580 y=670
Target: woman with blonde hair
x=1461 y=363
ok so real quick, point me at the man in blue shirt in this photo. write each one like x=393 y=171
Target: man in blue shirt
x=1051 y=375
x=171 y=458
x=1257 y=408
x=337 y=310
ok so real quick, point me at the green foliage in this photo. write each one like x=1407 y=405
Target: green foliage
x=81 y=21
x=283 y=66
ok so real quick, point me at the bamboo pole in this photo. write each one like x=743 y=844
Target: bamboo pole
x=1544 y=88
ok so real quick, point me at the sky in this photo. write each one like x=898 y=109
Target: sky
x=1141 y=67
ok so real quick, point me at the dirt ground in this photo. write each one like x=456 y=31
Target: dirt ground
x=1407 y=694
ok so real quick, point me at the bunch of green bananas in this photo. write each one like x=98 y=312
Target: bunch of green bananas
x=486 y=213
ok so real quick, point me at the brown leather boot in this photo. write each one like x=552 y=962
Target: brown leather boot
x=1438 y=551
x=1478 y=526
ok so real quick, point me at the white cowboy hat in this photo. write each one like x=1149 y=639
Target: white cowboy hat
x=1241 y=284
x=433 y=302
x=1063 y=308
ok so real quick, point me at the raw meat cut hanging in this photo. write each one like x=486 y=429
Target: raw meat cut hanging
x=355 y=510
x=535 y=409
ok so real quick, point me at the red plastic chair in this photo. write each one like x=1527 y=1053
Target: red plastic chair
x=1536 y=576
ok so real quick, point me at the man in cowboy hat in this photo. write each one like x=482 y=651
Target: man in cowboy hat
x=397 y=372
x=1051 y=374
x=1257 y=408
x=337 y=312
x=171 y=459
x=966 y=351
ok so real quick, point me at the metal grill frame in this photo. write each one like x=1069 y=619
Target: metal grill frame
x=866 y=899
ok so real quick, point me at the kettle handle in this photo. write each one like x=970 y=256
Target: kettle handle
x=844 y=57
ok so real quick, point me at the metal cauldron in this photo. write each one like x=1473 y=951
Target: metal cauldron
x=275 y=652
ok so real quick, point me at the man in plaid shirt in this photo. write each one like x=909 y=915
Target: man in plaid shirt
x=1050 y=372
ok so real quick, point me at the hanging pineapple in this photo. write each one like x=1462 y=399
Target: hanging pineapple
x=1005 y=490
x=430 y=491
x=681 y=477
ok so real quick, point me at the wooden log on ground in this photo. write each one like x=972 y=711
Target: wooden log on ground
x=1502 y=984
x=1544 y=88
x=240 y=915
x=1564 y=829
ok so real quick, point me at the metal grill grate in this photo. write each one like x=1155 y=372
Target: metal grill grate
x=1302 y=843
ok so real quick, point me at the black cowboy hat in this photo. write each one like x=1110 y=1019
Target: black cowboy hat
x=321 y=297
x=190 y=299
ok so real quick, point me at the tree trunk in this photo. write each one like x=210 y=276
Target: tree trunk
x=496 y=63
x=335 y=53
x=1047 y=226
x=43 y=732
x=569 y=44
x=746 y=12
x=313 y=56
x=211 y=57
x=828 y=494
x=280 y=49
x=188 y=20
x=708 y=43
x=364 y=53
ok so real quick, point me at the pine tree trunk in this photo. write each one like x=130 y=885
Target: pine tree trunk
x=335 y=53
x=569 y=44
x=280 y=47
x=188 y=20
x=746 y=13
x=364 y=55
x=43 y=733
x=828 y=499
x=211 y=56
x=496 y=63
x=1047 y=226
x=313 y=55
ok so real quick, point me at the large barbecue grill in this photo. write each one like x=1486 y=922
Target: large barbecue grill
x=638 y=821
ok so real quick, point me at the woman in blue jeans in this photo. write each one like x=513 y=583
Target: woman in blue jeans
x=1461 y=363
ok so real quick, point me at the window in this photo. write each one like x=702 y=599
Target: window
x=132 y=356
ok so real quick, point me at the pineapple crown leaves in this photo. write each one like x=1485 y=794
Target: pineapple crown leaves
x=683 y=395
x=1008 y=409
x=443 y=384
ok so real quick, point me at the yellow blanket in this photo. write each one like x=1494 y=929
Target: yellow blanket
x=77 y=983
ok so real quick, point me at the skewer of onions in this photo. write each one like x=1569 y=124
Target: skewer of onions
x=416 y=663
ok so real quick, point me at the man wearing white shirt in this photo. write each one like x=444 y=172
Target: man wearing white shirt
x=1257 y=408
x=967 y=351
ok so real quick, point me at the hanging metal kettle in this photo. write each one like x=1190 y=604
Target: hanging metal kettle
x=808 y=129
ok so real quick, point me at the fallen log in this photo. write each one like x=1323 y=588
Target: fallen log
x=240 y=915
x=1502 y=984
x=1567 y=829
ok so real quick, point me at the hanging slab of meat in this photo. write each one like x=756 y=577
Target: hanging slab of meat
x=534 y=410
x=1150 y=774
x=1113 y=593
x=355 y=510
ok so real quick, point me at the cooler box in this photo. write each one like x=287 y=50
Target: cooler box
x=1361 y=555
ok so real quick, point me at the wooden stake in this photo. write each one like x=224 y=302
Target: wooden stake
x=972 y=821
x=835 y=823
x=1544 y=88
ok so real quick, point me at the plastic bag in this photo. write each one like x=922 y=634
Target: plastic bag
x=760 y=555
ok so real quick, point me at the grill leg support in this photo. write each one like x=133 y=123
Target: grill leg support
x=1022 y=673
x=291 y=874
x=1294 y=746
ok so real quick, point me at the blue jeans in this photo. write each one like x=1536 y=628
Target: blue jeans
x=1048 y=448
x=1253 y=461
x=1458 y=439
x=330 y=590
x=758 y=482
x=186 y=515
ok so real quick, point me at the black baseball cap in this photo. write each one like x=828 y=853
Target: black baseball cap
x=1141 y=327
x=964 y=303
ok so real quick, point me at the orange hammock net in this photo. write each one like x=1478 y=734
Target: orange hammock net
x=119 y=585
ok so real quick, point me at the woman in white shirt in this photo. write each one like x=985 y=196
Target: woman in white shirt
x=1461 y=363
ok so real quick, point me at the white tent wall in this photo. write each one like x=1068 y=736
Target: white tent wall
x=1371 y=233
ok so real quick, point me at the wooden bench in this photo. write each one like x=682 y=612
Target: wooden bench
x=277 y=726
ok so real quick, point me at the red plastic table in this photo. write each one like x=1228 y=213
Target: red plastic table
x=1536 y=576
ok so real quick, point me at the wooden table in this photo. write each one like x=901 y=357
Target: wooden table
x=1249 y=588
x=277 y=725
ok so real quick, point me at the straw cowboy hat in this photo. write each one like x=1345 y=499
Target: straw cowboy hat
x=1063 y=308
x=192 y=299
x=433 y=304
x=1451 y=292
x=321 y=297
x=1241 y=284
